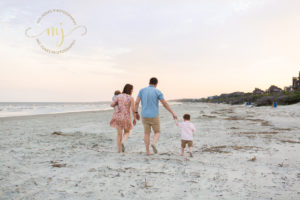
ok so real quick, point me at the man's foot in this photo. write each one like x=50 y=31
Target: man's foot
x=191 y=155
x=154 y=148
x=123 y=148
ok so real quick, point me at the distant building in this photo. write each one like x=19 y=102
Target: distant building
x=296 y=83
x=273 y=89
x=258 y=91
x=213 y=97
x=288 y=89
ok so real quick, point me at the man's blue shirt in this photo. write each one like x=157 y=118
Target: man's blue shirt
x=150 y=97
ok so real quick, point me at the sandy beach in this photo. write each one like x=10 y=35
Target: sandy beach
x=239 y=153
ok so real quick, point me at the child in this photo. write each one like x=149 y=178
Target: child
x=187 y=130
x=117 y=92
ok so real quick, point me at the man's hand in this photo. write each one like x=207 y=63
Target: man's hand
x=137 y=116
x=166 y=105
x=174 y=116
x=134 y=122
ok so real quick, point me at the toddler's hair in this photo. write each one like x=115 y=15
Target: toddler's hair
x=186 y=116
x=117 y=92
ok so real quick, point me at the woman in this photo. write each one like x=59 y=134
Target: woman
x=121 y=120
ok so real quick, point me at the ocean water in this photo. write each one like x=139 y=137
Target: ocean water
x=9 y=109
x=12 y=109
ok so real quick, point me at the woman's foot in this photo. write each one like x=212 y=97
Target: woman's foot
x=123 y=148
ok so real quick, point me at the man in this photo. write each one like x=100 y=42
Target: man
x=150 y=97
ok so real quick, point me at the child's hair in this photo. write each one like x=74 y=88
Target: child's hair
x=186 y=116
x=117 y=92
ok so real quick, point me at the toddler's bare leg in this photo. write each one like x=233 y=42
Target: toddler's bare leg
x=182 y=151
x=191 y=151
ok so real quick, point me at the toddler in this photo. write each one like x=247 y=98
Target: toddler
x=117 y=92
x=187 y=130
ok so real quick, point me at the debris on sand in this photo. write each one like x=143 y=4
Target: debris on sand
x=216 y=149
x=257 y=133
x=253 y=159
x=227 y=149
x=282 y=129
x=265 y=123
x=235 y=118
x=209 y=116
x=56 y=164
x=234 y=128
x=146 y=184
x=57 y=133
x=280 y=164
x=92 y=170
x=290 y=141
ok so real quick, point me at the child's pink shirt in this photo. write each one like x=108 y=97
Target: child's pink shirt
x=187 y=130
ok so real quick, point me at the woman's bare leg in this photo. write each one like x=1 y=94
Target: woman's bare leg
x=119 y=139
x=125 y=136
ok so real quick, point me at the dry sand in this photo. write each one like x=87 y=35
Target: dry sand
x=239 y=153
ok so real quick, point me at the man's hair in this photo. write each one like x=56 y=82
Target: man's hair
x=186 y=116
x=153 y=81
x=117 y=92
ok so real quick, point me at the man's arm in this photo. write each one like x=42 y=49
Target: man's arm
x=166 y=105
x=137 y=103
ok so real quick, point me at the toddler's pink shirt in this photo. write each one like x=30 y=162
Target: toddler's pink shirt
x=187 y=130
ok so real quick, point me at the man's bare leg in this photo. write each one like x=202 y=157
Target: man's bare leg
x=147 y=142
x=154 y=141
x=155 y=138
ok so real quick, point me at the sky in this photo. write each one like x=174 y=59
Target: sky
x=195 y=48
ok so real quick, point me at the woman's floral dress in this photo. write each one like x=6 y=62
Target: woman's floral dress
x=122 y=118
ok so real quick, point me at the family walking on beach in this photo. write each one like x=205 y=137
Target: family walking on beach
x=149 y=98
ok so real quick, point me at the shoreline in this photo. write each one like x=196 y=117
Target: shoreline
x=53 y=114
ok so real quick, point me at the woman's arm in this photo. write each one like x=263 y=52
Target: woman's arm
x=114 y=102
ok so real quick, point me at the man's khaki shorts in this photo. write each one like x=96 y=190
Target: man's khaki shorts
x=151 y=122
x=184 y=142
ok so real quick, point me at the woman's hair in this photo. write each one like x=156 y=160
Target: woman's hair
x=128 y=89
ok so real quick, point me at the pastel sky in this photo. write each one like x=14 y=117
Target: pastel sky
x=195 y=48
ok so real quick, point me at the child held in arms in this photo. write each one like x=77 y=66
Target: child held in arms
x=117 y=92
x=187 y=129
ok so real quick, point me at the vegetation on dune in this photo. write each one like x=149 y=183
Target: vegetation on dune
x=282 y=98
